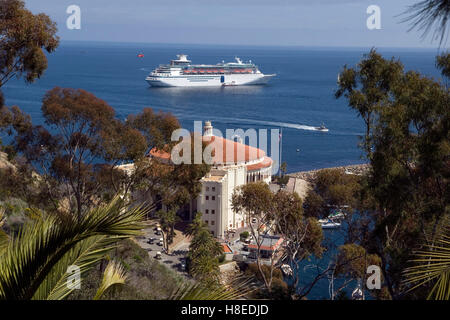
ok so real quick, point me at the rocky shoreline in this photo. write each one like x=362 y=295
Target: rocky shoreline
x=309 y=176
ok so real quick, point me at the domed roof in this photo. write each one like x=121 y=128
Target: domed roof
x=223 y=151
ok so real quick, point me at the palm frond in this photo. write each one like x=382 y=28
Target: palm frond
x=114 y=274
x=84 y=255
x=39 y=245
x=432 y=265
x=4 y=239
x=238 y=289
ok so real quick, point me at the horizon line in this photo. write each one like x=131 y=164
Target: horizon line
x=255 y=45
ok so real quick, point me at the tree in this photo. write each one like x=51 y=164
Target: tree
x=367 y=89
x=168 y=219
x=351 y=263
x=408 y=147
x=34 y=263
x=203 y=254
x=255 y=201
x=280 y=214
x=23 y=38
x=283 y=179
x=427 y=15
x=432 y=265
x=196 y=225
x=80 y=154
x=302 y=235
x=70 y=156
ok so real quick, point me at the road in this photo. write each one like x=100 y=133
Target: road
x=172 y=260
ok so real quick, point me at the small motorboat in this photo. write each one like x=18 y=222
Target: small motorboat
x=140 y=55
x=286 y=269
x=322 y=128
x=329 y=224
x=337 y=215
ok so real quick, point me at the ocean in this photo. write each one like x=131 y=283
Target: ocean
x=298 y=99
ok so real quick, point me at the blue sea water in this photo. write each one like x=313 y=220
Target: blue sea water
x=299 y=98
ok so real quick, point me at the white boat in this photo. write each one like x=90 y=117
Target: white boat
x=358 y=293
x=337 y=216
x=181 y=73
x=329 y=224
x=287 y=270
x=322 y=128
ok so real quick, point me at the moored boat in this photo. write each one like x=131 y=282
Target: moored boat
x=181 y=73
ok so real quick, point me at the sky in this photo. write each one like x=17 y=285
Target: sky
x=329 y=23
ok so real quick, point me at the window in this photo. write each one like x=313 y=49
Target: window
x=213 y=211
x=213 y=198
x=212 y=223
x=207 y=188
x=206 y=221
x=213 y=188
x=207 y=197
x=206 y=211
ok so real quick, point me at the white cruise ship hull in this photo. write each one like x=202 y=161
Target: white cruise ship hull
x=205 y=80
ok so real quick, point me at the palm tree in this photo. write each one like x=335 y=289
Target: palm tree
x=428 y=14
x=34 y=263
x=432 y=265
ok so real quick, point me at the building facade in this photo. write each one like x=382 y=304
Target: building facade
x=234 y=164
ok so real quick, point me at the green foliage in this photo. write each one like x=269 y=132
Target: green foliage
x=332 y=189
x=168 y=219
x=404 y=198
x=34 y=263
x=237 y=289
x=83 y=130
x=244 y=235
x=255 y=199
x=147 y=279
x=24 y=37
x=353 y=260
x=432 y=265
x=427 y=15
x=443 y=64
x=204 y=253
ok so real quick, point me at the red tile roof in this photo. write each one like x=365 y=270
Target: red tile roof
x=226 y=248
x=226 y=151
x=267 y=162
x=271 y=247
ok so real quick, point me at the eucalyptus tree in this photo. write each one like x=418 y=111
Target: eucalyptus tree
x=24 y=37
x=427 y=15
x=407 y=144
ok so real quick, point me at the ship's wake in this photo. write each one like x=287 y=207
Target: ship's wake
x=274 y=124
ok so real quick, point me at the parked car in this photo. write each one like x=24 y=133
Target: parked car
x=183 y=265
x=158 y=255
x=161 y=242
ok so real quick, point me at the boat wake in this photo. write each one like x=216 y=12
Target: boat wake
x=276 y=124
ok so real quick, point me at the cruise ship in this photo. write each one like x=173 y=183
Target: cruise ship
x=181 y=73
